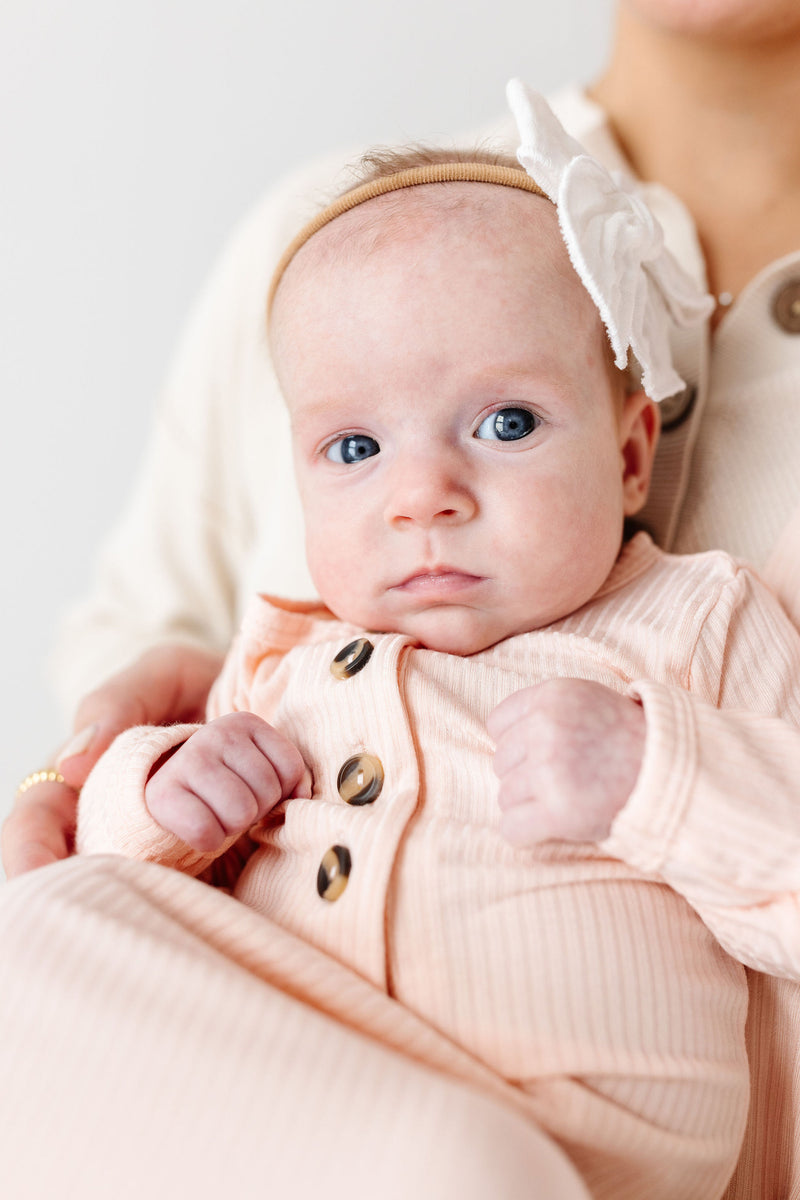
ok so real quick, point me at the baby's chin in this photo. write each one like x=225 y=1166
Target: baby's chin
x=461 y=632
x=446 y=628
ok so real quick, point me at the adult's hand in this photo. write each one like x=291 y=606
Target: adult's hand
x=167 y=683
x=568 y=755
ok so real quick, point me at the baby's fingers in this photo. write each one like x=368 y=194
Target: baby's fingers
x=509 y=712
x=516 y=786
x=531 y=812
x=512 y=751
x=204 y=809
x=224 y=780
x=286 y=761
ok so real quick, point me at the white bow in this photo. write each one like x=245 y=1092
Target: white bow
x=614 y=242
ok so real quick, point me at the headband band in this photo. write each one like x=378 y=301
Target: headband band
x=446 y=172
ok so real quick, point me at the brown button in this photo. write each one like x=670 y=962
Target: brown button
x=334 y=871
x=786 y=307
x=352 y=658
x=360 y=780
x=675 y=409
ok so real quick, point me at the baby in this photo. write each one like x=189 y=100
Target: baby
x=468 y=449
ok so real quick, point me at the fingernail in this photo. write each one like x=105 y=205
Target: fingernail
x=79 y=744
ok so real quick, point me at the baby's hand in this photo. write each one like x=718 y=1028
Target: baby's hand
x=228 y=775
x=568 y=755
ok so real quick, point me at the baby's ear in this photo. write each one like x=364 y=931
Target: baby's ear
x=639 y=426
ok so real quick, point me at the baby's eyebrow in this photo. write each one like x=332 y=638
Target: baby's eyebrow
x=507 y=381
x=321 y=412
x=493 y=376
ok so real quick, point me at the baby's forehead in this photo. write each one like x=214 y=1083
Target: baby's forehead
x=431 y=226
x=449 y=211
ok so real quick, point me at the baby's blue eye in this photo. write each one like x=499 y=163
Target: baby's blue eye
x=352 y=449
x=507 y=425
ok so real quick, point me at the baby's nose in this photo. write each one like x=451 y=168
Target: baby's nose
x=427 y=492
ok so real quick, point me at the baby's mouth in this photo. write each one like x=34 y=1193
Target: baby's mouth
x=438 y=581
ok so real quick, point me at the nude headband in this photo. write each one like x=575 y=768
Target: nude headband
x=446 y=172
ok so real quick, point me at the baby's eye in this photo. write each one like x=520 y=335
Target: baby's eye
x=352 y=449
x=507 y=425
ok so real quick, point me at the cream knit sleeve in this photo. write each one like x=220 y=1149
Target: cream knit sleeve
x=716 y=809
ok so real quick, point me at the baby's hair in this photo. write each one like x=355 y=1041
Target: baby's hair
x=386 y=162
x=382 y=161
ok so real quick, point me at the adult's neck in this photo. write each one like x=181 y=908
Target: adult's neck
x=717 y=122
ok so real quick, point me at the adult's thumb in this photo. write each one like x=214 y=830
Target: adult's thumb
x=165 y=684
x=91 y=738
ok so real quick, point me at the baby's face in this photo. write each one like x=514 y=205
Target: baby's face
x=464 y=459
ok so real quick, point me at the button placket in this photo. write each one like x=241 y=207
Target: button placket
x=359 y=781
x=786 y=306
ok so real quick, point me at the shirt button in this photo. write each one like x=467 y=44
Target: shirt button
x=334 y=871
x=352 y=658
x=360 y=779
x=786 y=307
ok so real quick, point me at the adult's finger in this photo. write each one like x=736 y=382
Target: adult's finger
x=166 y=684
x=40 y=828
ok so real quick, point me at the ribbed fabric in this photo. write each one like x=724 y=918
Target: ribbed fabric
x=215 y=518
x=743 y=486
x=114 y=1085
x=571 y=972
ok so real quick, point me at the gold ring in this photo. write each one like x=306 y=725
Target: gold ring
x=49 y=775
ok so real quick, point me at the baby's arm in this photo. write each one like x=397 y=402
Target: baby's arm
x=223 y=780
x=568 y=753
x=714 y=807
x=716 y=814
x=207 y=784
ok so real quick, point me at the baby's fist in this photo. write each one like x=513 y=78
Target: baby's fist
x=568 y=756
x=224 y=779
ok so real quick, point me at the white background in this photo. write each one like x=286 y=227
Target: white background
x=133 y=137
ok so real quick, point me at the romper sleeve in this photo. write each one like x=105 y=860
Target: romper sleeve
x=113 y=817
x=716 y=808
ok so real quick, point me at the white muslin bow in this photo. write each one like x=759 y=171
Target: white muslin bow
x=614 y=242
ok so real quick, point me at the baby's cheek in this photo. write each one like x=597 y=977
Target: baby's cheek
x=324 y=576
x=326 y=551
x=338 y=576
